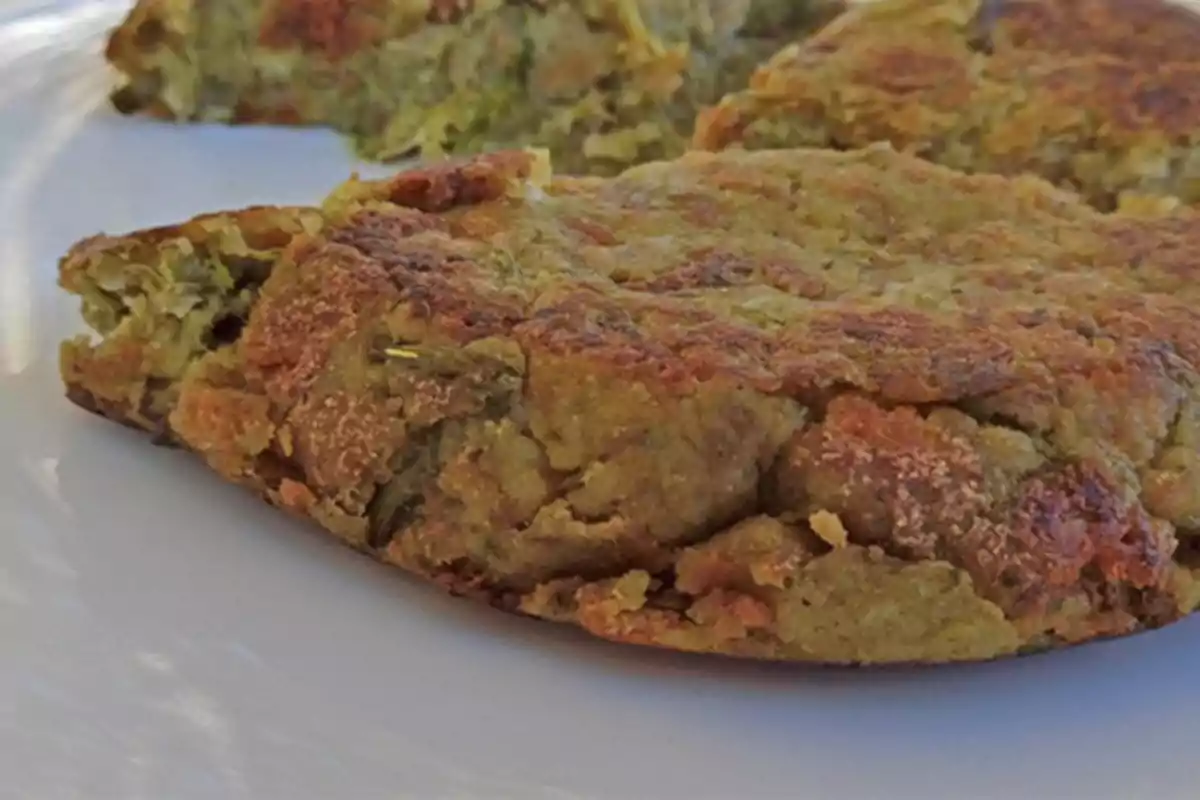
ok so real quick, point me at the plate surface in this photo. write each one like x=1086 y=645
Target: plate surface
x=164 y=636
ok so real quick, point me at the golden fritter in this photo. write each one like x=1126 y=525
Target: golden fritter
x=601 y=83
x=1102 y=96
x=847 y=407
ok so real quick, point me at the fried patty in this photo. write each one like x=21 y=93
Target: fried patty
x=602 y=84
x=1102 y=96
x=845 y=407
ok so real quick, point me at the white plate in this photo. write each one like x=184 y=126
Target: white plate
x=164 y=636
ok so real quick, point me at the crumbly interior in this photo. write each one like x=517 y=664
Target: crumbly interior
x=1096 y=95
x=805 y=405
x=601 y=83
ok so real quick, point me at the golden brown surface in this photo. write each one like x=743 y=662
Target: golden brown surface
x=1099 y=95
x=807 y=405
x=601 y=83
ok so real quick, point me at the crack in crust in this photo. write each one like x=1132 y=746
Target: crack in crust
x=604 y=401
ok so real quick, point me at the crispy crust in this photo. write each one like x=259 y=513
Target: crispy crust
x=1102 y=96
x=802 y=405
x=601 y=84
